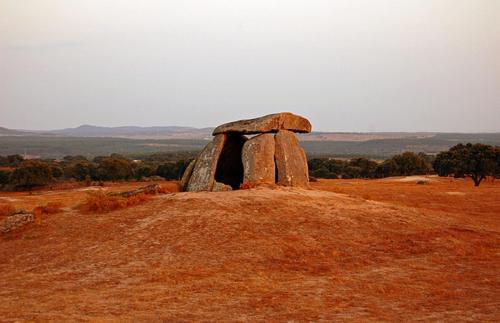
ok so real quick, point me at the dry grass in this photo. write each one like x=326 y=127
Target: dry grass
x=49 y=208
x=6 y=209
x=100 y=202
x=410 y=253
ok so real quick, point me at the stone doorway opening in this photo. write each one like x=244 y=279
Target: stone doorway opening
x=230 y=166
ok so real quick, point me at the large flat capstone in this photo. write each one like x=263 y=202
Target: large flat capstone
x=258 y=160
x=202 y=177
x=269 y=123
x=291 y=161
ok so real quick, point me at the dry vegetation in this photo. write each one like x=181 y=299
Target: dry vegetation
x=100 y=202
x=349 y=250
x=6 y=209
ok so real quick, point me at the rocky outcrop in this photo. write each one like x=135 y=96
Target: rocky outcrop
x=269 y=123
x=203 y=176
x=291 y=160
x=232 y=161
x=258 y=160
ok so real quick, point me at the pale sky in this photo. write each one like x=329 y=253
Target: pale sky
x=353 y=65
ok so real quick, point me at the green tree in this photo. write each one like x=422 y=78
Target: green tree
x=366 y=166
x=144 y=171
x=474 y=160
x=56 y=171
x=80 y=170
x=31 y=173
x=114 y=168
x=409 y=163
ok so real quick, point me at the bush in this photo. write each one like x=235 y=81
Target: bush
x=31 y=173
x=50 y=208
x=100 y=202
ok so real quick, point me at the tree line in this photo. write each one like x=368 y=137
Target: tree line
x=19 y=174
x=470 y=160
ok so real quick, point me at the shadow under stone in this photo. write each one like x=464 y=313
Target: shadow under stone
x=230 y=167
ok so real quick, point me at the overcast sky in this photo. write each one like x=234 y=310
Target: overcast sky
x=353 y=65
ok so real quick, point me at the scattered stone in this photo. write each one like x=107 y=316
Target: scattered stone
x=258 y=160
x=202 y=178
x=269 y=123
x=221 y=187
x=15 y=221
x=154 y=178
x=149 y=189
x=291 y=161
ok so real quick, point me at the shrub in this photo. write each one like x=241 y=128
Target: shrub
x=50 y=208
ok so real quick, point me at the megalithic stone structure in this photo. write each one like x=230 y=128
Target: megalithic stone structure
x=273 y=156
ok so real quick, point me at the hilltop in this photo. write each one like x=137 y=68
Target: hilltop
x=348 y=249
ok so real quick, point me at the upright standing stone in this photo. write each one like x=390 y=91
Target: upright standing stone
x=202 y=178
x=258 y=160
x=291 y=160
x=187 y=175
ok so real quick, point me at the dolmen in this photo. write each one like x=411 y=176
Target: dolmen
x=271 y=155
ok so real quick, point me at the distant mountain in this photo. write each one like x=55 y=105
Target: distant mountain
x=134 y=132
x=11 y=132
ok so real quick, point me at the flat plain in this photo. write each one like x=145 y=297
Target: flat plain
x=399 y=249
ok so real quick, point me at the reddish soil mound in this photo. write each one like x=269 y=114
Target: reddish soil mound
x=252 y=255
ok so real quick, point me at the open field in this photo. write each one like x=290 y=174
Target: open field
x=387 y=249
x=374 y=145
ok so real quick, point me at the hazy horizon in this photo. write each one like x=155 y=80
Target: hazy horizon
x=348 y=66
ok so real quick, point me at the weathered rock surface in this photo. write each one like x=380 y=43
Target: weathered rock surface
x=202 y=178
x=291 y=161
x=149 y=189
x=269 y=123
x=258 y=160
x=187 y=175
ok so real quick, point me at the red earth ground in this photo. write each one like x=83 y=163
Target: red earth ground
x=346 y=250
